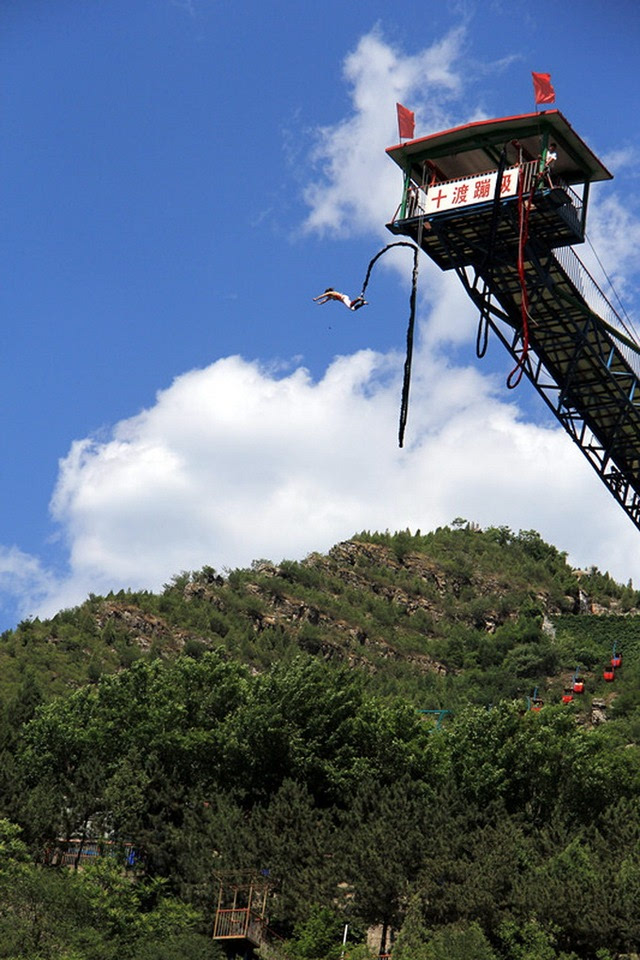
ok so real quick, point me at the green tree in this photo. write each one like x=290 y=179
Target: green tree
x=413 y=939
x=98 y=914
x=385 y=837
x=295 y=841
x=319 y=937
x=460 y=942
x=530 y=940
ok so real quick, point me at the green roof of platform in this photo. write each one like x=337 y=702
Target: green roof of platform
x=475 y=148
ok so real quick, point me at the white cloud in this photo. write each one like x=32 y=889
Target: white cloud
x=25 y=577
x=358 y=186
x=229 y=457
x=234 y=462
x=619 y=159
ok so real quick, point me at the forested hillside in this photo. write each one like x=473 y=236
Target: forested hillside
x=361 y=728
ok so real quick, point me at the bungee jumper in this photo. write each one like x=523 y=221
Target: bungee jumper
x=359 y=301
x=331 y=294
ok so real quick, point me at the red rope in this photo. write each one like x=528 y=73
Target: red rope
x=524 y=208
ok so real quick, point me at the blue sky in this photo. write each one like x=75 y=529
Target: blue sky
x=178 y=180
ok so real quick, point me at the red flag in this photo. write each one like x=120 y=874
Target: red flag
x=406 y=122
x=542 y=89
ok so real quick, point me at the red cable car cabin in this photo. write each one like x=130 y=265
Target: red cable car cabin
x=609 y=675
x=616 y=662
x=578 y=686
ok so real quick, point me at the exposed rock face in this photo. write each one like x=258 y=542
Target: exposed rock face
x=365 y=603
x=336 y=638
x=409 y=583
x=583 y=603
x=140 y=628
x=598 y=711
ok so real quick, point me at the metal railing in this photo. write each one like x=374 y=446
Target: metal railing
x=598 y=302
x=73 y=853
x=239 y=923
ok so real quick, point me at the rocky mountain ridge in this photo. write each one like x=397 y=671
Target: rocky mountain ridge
x=401 y=606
